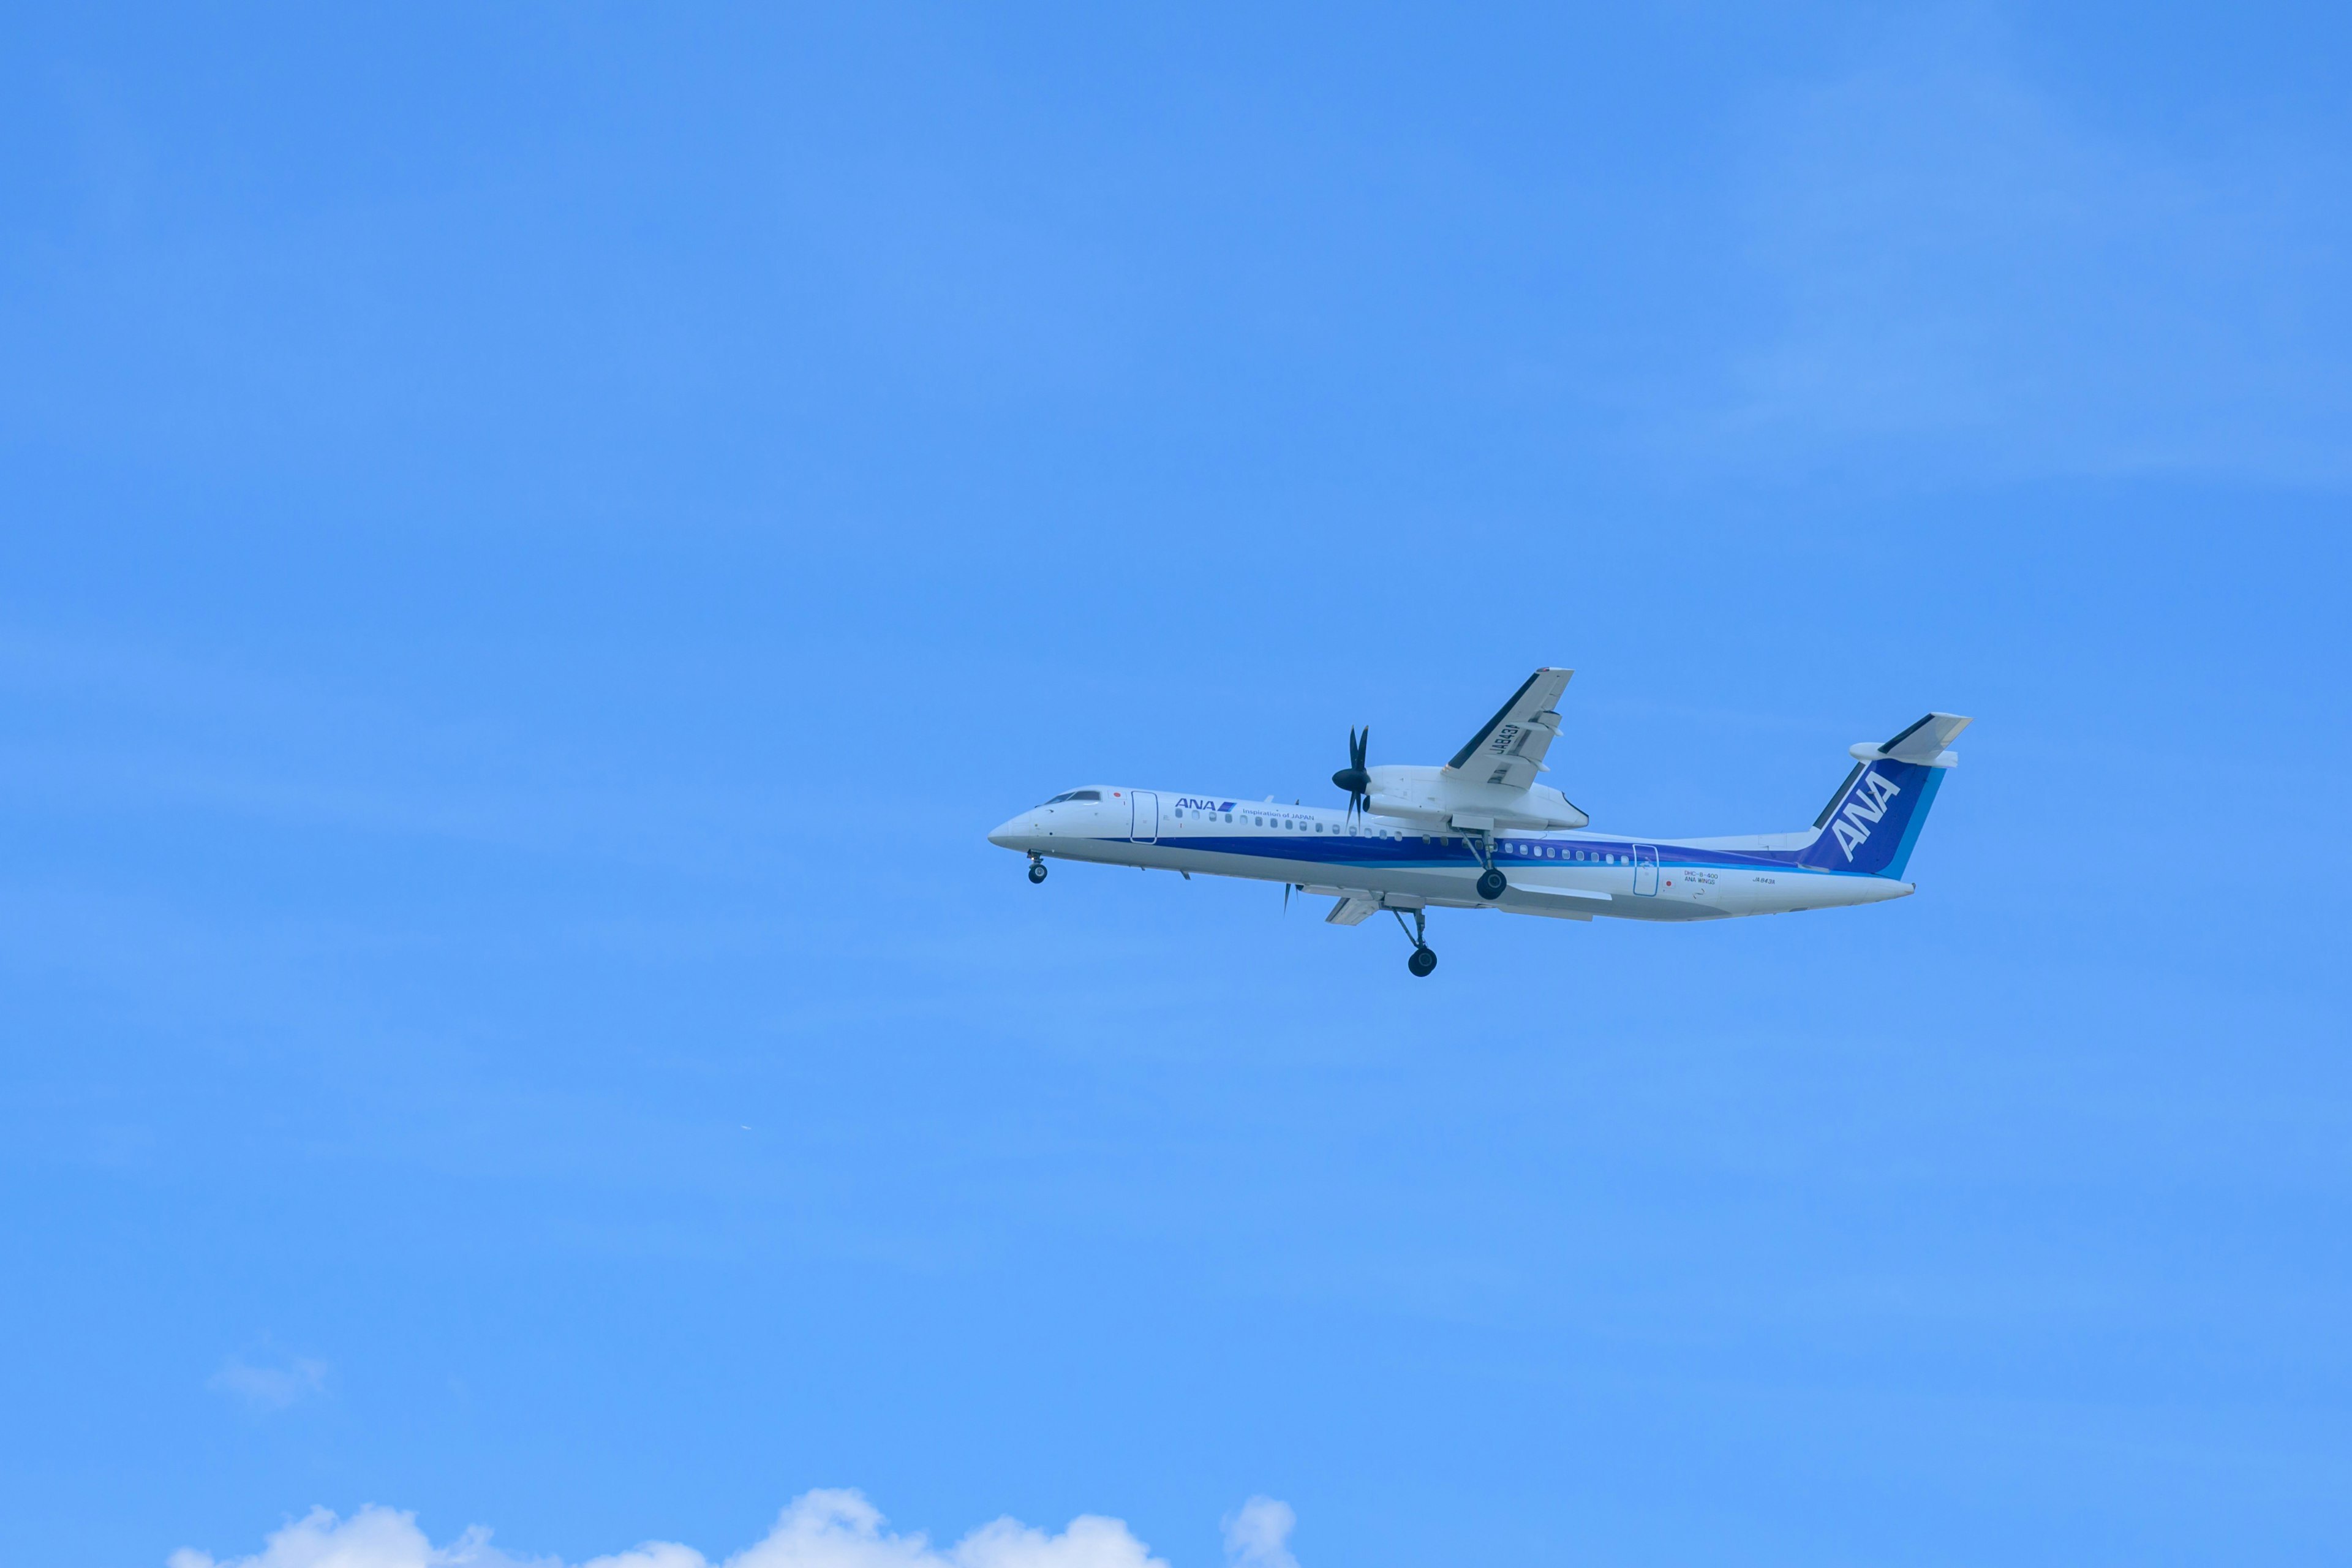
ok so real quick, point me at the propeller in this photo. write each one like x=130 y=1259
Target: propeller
x=1353 y=778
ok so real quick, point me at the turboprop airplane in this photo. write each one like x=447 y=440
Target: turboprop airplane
x=1481 y=833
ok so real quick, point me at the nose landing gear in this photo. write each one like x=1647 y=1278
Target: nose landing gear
x=1037 y=867
x=1424 y=957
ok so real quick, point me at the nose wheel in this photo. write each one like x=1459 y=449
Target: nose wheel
x=1424 y=957
x=1036 y=869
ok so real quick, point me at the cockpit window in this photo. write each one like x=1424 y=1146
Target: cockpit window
x=1076 y=795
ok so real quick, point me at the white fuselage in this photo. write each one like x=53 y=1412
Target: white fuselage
x=1396 y=863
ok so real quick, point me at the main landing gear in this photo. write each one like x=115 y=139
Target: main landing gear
x=1424 y=957
x=1491 y=881
x=1036 y=867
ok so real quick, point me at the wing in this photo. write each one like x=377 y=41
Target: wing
x=1559 y=904
x=1510 y=750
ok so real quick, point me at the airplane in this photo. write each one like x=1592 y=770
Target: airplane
x=1481 y=833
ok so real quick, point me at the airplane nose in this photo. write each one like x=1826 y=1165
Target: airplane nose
x=1004 y=837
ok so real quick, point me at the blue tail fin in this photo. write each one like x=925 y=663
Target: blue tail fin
x=1873 y=819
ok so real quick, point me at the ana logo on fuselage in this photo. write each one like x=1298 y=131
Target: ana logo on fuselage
x=1864 y=807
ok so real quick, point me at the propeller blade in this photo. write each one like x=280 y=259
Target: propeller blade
x=1286 y=898
x=1354 y=778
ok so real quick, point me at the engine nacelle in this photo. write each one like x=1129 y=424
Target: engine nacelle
x=1428 y=798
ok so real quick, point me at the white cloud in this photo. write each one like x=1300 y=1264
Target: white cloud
x=1259 y=1535
x=371 y=1538
x=270 y=1387
x=819 y=1529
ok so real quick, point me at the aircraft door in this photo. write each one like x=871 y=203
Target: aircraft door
x=1147 y=815
x=1645 y=869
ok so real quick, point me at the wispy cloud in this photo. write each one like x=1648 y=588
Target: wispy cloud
x=1258 y=1536
x=1970 y=264
x=371 y=1538
x=820 y=1530
x=270 y=1387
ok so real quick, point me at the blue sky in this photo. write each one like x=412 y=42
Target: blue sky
x=537 y=540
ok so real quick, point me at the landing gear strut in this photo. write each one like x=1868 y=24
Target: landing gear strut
x=1491 y=881
x=1424 y=957
x=1037 y=867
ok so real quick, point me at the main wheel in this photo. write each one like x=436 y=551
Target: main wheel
x=1037 y=871
x=1491 y=885
x=1423 y=960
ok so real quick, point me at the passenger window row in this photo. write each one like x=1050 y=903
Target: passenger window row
x=1519 y=849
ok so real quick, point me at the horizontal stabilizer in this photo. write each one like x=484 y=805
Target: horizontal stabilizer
x=1923 y=742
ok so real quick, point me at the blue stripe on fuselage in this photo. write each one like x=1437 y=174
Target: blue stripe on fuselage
x=1410 y=852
